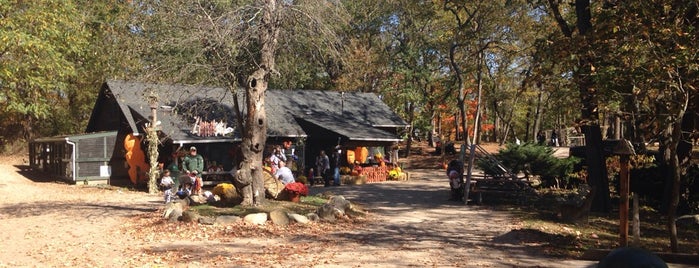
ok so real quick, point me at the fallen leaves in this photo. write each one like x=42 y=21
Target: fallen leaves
x=304 y=243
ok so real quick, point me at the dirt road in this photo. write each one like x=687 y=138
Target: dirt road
x=48 y=224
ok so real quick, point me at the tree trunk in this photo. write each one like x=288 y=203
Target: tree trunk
x=677 y=153
x=411 y=129
x=477 y=116
x=670 y=156
x=250 y=180
x=496 y=122
x=462 y=95
x=590 y=113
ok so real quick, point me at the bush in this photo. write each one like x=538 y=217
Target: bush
x=532 y=159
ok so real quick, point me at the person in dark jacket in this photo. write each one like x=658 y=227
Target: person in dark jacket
x=193 y=164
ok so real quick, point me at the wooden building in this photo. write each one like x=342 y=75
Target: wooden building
x=204 y=117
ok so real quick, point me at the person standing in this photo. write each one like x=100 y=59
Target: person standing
x=335 y=165
x=166 y=184
x=193 y=164
x=554 y=138
x=325 y=167
x=276 y=157
x=174 y=169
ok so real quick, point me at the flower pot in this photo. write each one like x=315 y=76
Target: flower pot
x=293 y=197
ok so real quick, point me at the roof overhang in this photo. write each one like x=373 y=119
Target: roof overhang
x=353 y=131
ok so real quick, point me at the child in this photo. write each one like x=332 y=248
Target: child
x=455 y=171
x=166 y=184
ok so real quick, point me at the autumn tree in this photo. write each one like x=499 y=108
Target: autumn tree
x=413 y=62
x=55 y=55
x=652 y=67
x=577 y=43
x=42 y=42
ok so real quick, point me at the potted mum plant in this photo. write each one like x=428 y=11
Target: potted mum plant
x=295 y=190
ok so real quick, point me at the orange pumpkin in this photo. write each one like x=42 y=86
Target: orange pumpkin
x=361 y=154
x=350 y=156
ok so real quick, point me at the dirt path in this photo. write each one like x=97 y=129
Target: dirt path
x=417 y=226
x=60 y=225
x=48 y=224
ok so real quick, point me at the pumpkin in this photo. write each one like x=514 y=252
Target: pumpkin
x=361 y=154
x=350 y=156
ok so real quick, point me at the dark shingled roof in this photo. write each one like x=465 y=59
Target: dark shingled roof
x=351 y=114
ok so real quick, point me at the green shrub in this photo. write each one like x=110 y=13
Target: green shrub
x=532 y=160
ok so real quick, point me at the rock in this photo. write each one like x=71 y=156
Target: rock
x=196 y=200
x=175 y=215
x=207 y=220
x=173 y=210
x=340 y=203
x=336 y=207
x=279 y=217
x=299 y=218
x=227 y=220
x=190 y=216
x=256 y=218
x=328 y=212
x=312 y=216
